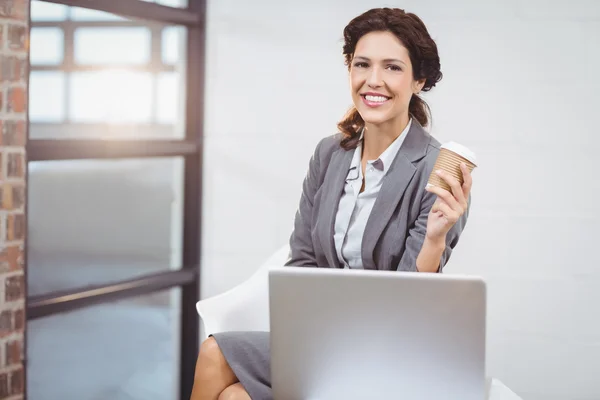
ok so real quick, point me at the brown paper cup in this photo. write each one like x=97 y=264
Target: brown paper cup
x=449 y=159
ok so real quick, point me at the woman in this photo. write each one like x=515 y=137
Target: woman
x=364 y=202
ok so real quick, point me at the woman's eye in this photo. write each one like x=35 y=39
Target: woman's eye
x=394 y=68
x=361 y=64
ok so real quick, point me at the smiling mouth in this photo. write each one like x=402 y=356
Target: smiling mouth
x=375 y=98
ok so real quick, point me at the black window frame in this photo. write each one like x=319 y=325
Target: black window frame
x=187 y=278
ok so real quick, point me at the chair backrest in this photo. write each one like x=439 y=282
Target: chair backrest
x=278 y=258
x=254 y=311
x=244 y=307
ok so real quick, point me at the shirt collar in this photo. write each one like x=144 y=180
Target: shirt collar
x=390 y=153
x=384 y=161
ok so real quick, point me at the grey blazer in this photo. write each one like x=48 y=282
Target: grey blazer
x=396 y=227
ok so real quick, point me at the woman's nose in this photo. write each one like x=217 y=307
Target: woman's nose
x=375 y=78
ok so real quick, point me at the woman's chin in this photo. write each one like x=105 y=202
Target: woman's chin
x=375 y=119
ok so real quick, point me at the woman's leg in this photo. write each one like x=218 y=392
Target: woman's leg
x=234 y=392
x=227 y=358
x=213 y=374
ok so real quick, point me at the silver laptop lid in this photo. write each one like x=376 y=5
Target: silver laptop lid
x=360 y=334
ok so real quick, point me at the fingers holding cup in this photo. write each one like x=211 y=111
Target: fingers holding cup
x=467 y=179
x=458 y=199
x=445 y=197
x=451 y=179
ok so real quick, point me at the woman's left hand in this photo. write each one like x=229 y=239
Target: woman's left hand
x=448 y=207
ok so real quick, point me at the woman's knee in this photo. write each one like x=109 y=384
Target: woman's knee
x=210 y=351
x=234 y=392
x=210 y=358
x=213 y=374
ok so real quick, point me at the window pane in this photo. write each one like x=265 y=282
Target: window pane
x=125 y=350
x=84 y=14
x=109 y=104
x=121 y=46
x=110 y=100
x=47 y=46
x=46 y=96
x=111 y=96
x=173 y=44
x=170 y=102
x=43 y=11
x=100 y=221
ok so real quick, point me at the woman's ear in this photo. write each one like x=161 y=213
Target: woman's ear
x=418 y=85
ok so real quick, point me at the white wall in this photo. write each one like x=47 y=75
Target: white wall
x=519 y=89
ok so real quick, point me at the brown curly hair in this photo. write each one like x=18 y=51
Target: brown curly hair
x=413 y=34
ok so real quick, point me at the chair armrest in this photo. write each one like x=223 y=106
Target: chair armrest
x=242 y=308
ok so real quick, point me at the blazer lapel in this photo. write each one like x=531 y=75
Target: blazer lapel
x=397 y=179
x=333 y=186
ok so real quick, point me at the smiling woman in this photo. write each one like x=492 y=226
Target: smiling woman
x=391 y=58
x=365 y=188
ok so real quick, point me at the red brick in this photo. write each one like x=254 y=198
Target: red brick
x=19 y=320
x=16 y=382
x=15 y=227
x=21 y=67
x=15 y=9
x=18 y=196
x=5 y=197
x=14 y=288
x=16 y=36
x=4 y=392
x=6 y=322
x=13 y=69
x=15 y=165
x=12 y=196
x=13 y=257
x=13 y=352
x=13 y=133
x=16 y=100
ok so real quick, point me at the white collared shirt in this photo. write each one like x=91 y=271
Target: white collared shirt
x=355 y=207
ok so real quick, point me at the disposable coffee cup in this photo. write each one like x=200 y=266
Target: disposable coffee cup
x=449 y=159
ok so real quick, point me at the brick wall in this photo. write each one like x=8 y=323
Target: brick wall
x=13 y=125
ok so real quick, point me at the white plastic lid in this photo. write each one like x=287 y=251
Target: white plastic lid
x=461 y=151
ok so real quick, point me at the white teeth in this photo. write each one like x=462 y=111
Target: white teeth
x=377 y=99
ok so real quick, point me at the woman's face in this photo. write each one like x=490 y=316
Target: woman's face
x=381 y=79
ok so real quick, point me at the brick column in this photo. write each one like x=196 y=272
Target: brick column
x=13 y=125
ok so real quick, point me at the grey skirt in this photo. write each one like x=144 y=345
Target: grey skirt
x=249 y=356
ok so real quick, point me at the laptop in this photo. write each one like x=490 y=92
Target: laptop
x=363 y=334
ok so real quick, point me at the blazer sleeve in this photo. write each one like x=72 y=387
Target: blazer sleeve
x=302 y=253
x=416 y=236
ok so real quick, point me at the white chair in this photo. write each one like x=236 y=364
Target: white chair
x=244 y=307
